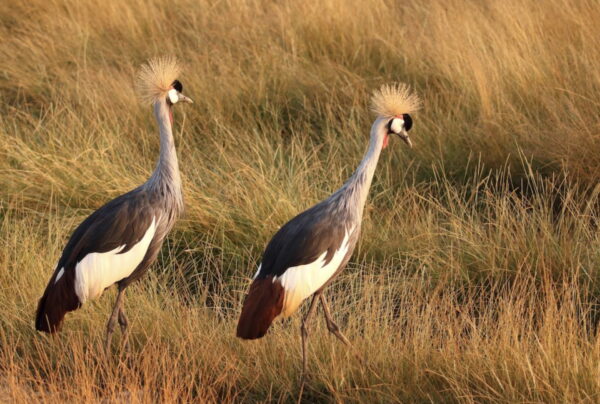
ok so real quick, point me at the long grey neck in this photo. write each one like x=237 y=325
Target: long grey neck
x=165 y=181
x=352 y=196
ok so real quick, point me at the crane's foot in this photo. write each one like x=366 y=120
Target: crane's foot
x=332 y=326
x=335 y=330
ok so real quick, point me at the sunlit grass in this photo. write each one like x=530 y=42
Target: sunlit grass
x=476 y=277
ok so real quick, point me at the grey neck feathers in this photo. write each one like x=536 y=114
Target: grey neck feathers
x=165 y=181
x=351 y=197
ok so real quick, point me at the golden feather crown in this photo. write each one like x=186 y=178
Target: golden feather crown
x=394 y=100
x=155 y=78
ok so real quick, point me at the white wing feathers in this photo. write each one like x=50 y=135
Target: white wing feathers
x=97 y=271
x=302 y=281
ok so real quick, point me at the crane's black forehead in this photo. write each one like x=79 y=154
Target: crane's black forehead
x=177 y=86
x=408 y=122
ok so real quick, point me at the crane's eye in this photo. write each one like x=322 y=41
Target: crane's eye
x=396 y=125
x=408 y=123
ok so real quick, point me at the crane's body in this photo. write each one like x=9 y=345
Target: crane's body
x=309 y=250
x=118 y=242
x=312 y=248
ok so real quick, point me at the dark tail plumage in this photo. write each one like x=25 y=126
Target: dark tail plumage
x=263 y=303
x=58 y=299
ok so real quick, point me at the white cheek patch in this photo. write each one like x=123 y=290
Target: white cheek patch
x=397 y=125
x=173 y=97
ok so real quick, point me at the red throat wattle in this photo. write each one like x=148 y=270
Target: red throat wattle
x=386 y=139
x=171 y=115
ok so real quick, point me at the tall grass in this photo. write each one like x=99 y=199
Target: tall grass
x=476 y=277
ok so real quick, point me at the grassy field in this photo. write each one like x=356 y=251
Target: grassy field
x=477 y=276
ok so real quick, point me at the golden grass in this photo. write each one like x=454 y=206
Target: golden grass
x=476 y=278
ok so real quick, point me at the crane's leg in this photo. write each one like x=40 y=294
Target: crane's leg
x=331 y=325
x=110 y=326
x=335 y=330
x=304 y=333
x=124 y=323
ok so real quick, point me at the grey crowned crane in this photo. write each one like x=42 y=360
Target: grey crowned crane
x=312 y=248
x=117 y=243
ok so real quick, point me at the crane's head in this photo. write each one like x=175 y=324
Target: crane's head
x=393 y=104
x=157 y=82
x=175 y=94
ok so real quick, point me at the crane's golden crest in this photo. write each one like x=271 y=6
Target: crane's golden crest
x=394 y=100
x=155 y=78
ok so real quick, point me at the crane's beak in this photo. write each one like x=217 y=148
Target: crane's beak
x=184 y=98
x=404 y=136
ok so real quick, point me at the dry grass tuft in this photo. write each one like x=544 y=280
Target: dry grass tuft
x=477 y=274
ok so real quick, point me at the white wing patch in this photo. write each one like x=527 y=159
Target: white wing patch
x=97 y=271
x=60 y=274
x=257 y=271
x=301 y=281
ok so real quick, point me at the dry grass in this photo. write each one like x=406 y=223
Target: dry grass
x=477 y=275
